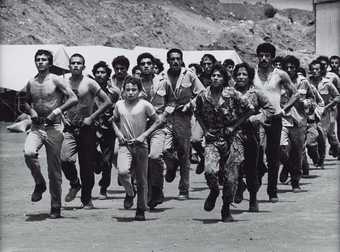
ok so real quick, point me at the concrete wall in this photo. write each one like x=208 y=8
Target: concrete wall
x=327 y=16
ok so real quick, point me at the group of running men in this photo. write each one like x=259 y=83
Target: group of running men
x=239 y=123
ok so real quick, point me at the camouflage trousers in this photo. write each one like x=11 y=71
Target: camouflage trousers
x=223 y=160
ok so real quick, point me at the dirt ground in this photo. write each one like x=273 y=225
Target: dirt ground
x=306 y=221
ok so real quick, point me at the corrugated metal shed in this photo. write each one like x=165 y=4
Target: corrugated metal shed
x=327 y=21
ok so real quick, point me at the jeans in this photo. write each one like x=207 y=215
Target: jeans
x=133 y=159
x=52 y=138
x=84 y=144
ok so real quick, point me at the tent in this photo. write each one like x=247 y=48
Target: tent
x=17 y=63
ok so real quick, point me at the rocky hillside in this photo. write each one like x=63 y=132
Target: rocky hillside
x=187 y=24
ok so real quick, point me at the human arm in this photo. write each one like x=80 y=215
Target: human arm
x=71 y=98
x=156 y=123
x=288 y=85
x=105 y=102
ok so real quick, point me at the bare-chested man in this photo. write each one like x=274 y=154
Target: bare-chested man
x=47 y=97
x=272 y=81
x=80 y=132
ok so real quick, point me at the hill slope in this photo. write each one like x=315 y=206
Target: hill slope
x=189 y=24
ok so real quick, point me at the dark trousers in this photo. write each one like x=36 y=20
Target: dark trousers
x=273 y=134
x=107 y=146
x=250 y=170
x=83 y=143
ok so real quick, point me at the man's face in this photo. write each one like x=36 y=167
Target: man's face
x=316 y=70
x=230 y=69
x=146 y=66
x=217 y=79
x=207 y=65
x=175 y=61
x=265 y=59
x=324 y=63
x=131 y=91
x=242 y=77
x=41 y=62
x=137 y=73
x=76 y=65
x=278 y=65
x=120 y=71
x=335 y=64
x=155 y=69
x=291 y=70
x=101 y=75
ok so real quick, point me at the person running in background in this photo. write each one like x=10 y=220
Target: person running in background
x=120 y=65
x=130 y=119
x=158 y=66
x=207 y=62
x=48 y=96
x=136 y=72
x=80 y=132
x=229 y=64
x=105 y=133
x=182 y=85
x=161 y=140
x=273 y=81
x=293 y=134
x=331 y=96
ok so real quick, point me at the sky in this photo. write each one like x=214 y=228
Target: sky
x=280 y=4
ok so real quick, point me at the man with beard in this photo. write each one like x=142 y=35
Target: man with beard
x=331 y=97
x=182 y=85
x=105 y=133
x=294 y=124
x=272 y=82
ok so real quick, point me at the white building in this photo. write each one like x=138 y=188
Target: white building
x=327 y=24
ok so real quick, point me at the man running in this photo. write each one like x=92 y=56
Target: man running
x=48 y=97
x=80 y=132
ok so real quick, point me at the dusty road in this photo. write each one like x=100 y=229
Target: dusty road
x=306 y=221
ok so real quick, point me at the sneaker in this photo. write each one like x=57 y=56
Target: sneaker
x=55 y=213
x=210 y=202
x=88 y=206
x=283 y=175
x=170 y=175
x=183 y=196
x=226 y=214
x=72 y=193
x=140 y=215
x=39 y=189
x=274 y=198
x=296 y=189
x=128 y=201
x=200 y=167
x=253 y=207
x=102 y=194
x=194 y=159
x=239 y=192
x=157 y=197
